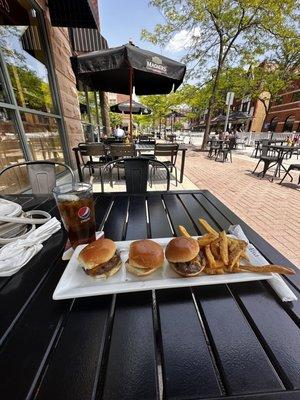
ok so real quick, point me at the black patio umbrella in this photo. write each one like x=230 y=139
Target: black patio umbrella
x=119 y=69
x=136 y=108
x=239 y=115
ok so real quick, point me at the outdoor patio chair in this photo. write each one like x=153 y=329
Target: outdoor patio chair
x=136 y=173
x=169 y=153
x=213 y=148
x=121 y=150
x=89 y=150
x=292 y=167
x=269 y=161
x=225 y=150
x=41 y=174
x=257 y=149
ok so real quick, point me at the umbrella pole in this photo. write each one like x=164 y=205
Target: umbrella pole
x=130 y=102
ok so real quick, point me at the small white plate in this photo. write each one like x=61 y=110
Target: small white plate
x=76 y=283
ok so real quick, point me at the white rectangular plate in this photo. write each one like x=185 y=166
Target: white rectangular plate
x=76 y=283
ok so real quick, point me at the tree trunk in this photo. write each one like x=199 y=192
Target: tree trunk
x=210 y=106
x=104 y=106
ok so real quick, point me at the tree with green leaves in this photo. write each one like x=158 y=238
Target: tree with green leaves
x=222 y=31
x=115 y=119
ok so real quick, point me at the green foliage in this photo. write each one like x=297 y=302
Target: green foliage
x=31 y=91
x=226 y=33
x=115 y=119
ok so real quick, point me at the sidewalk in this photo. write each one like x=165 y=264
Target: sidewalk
x=270 y=209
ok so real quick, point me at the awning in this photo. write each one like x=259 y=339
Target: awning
x=86 y=40
x=74 y=13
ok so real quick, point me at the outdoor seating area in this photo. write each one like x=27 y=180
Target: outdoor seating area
x=149 y=200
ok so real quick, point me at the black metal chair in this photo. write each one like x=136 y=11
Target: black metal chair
x=136 y=173
x=169 y=152
x=269 y=161
x=292 y=167
x=257 y=149
x=41 y=174
x=111 y=140
x=89 y=150
x=225 y=150
x=214 y=147
x=121 y=150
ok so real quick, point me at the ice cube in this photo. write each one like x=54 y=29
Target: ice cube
x=68 y=197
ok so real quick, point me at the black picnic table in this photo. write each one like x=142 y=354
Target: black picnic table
x=234 y=342
x=139 y=148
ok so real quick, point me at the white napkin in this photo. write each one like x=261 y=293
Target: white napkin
x=277 y=283
x=69 y=250
x=13 y=256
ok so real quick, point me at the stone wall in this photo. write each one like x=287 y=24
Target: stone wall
x=61 y=53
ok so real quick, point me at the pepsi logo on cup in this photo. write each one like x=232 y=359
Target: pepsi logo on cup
x=84 y=212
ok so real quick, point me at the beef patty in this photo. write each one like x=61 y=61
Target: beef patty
x=191 y=267
x=105 y=267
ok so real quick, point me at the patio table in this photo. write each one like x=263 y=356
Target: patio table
x=139 y=149
x=282 y=151
x=234 y=342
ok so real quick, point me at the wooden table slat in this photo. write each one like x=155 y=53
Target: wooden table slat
x=196 y=211
x=131 y=368
x=116 y=221
x=24 y=354
x=275 y=328
x=81 y=349
x=137 y=224
x=21 y=287
x=159 y=224
x=102 y=205
x=179 y=215
x=188 y=370
x=235 y=343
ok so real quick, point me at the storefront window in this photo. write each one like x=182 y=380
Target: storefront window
x=10 y=153
x=43 y=137
x=26 y=61
x=2 y=92
x=289 y=122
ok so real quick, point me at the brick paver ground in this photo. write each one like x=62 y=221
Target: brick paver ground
x=271 y=210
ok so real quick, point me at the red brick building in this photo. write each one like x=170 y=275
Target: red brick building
x=284 y=114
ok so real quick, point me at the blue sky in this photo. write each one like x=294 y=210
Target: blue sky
x=122 y=20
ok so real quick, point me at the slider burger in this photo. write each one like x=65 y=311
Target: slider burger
x=145 y=256
x=183 y=256
x=100 y=258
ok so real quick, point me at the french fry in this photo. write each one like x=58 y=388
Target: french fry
x=214 y=271
x=244 y=256
x=224 y=247
x=219 y=264
x=211 y=262
x=183 y=231
x=207 y=227
x=234 y=257
x=268 y=268
x=215 y=249
x=206 y=239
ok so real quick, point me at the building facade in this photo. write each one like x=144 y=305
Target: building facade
x=284 y=114
x=39 y=106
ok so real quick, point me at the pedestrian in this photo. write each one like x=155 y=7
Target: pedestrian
x=119 y=132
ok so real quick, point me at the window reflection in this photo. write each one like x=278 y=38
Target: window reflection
x=11 y=153
x=21 y=45
x=43 y=137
